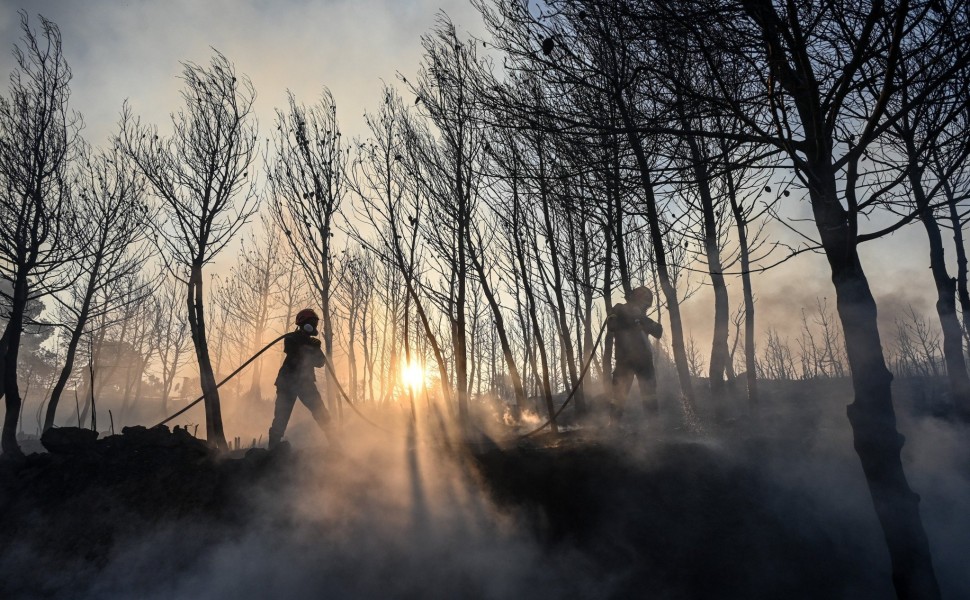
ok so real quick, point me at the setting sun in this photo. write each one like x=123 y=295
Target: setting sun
x=412 y=375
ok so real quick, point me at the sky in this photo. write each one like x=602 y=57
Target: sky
x=132 y=50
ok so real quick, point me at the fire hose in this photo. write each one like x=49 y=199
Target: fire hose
x=330 y=369
x=231 y=375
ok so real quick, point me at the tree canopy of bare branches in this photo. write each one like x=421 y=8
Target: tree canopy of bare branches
x=201 y=175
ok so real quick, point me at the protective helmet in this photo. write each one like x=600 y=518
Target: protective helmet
x=641 y=294
x=305 y=316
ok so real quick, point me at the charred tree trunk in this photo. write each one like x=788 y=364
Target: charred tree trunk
x=94 y=357
x=4 y=345
x=585 y=293
x=562 y=321
x=407 y=355
x=352 y=353
x=606 y=374
x=528 y=358
x=367 y=338
x=460 y=335
x=750 y=359
x=961 y=253
x=540 y=347
x=11 y=343
x=719 y=343
x=327 y=318
x=213 y=410
x=956 y=365
x=408 y=275
x=871 y=414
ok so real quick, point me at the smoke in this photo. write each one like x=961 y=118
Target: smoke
x=388 y=516
x=936 y=458
x=773 y=506
x=812 y=456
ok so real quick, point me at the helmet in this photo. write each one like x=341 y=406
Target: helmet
x=641 y=294
x=305 y=316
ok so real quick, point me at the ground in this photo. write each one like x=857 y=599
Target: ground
x=773 y=507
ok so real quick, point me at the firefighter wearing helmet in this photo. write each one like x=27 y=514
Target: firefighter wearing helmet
x=630 y=327
x=296 y=378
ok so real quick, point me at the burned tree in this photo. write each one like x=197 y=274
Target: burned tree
x=38 y=136
x=111 y=218
x=201 y=175
x=824 y=116
x=924 y=129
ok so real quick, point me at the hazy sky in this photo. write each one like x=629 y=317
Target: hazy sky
x=132 y=49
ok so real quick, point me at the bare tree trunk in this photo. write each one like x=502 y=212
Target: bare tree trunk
x=68 y=367
x=369 y=353
x=255 y=385
x=528 y=358
x=213 y=410
x=335 y=405
x=407 y=353
x=534 y=317
x=11 y=343
x=961 y=253
x=719 y=343
x=750 y=358
x=459 y=334
x=871 y=414
x=474 y=356
x=956 y=365
x=562 y=321
x=352 y=353
x=606 y=374
x=583 y=288
x=428 y=331
x=96 y=345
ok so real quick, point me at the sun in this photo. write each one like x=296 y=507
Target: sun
x=412 y=375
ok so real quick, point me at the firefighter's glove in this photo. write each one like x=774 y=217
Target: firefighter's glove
x=314 y=342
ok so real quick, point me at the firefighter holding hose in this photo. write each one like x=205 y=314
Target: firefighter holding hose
x=630 y=327
x=296 y=378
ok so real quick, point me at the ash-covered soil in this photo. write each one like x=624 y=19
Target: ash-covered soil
x=776 y=509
